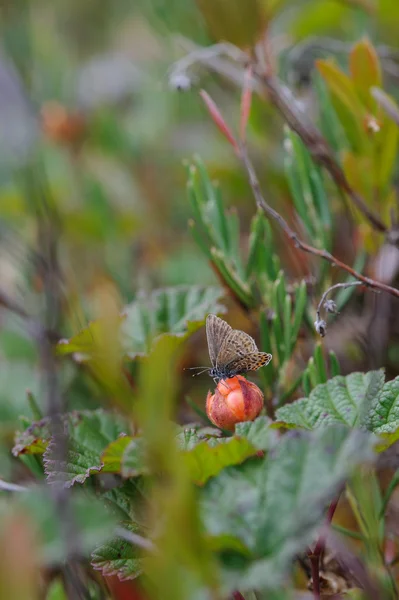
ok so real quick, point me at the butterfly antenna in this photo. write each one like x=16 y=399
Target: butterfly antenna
x=203 y=371
x=192 y=368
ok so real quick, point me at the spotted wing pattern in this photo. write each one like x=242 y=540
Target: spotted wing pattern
x=236 y=345
x=217 y=331
x=250 y=362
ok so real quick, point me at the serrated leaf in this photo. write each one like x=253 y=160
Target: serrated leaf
x=274 y=505
x=89 y=433
x=189 y=437
x=341 y=400
x=177 y=311
x=118 y=557
x=125 y=501
x=257 y=432
x=383 y=417
x=33 y=440
x=207 y=459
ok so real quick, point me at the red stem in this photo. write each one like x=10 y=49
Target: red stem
x=315 y=556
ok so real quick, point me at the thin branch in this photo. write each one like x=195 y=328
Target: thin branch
x=293 y=236
x=135 y=539
x=34 y=327
x=330 y=289
x=330 y=305
x=285 y=102
x=12 y=487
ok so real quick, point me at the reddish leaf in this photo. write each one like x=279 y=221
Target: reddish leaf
x=218 y=119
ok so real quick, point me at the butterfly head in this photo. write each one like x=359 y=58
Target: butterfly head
x=218 y=373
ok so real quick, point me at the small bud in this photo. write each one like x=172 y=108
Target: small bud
x=321 y=327
x=235 y=400
x=180 y=82
x=330 y=306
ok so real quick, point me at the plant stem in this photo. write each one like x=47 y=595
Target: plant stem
x=315 y=565
x=270 y=212
x=315 y=556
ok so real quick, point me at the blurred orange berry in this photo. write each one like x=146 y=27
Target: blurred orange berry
x=62 y=126
x=235 y=400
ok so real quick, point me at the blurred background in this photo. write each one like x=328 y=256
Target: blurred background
x=94 y=139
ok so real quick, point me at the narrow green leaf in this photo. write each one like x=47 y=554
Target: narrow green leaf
x=233 y=223
x=232 y=279
x=278 y=337
x=330 y=124
x=313 y=374
x=306 y=384
x=255 y=240
x=200 y=240
x=320 y=364
x=300 y=304
x=268 y=374
x=334 y=364
x=222 y=220
x=37 y=413
x=287 y=326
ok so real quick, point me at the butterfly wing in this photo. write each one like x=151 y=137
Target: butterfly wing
x=250 y=362
x=217 y=331
x=236 y=345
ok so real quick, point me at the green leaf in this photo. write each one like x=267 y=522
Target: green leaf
x=300 y=305
x=113 y=454
x=320 y=364
x=384 y=414
x=118 y=557
x=341 y=400
x=273 y=506
x=56 y=591
x=207 y=459
x=89 y=433
x=257 y=432
x=177 y=311
x=365 y=71
x=134 y=459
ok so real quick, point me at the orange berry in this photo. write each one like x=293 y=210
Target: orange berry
x=235 y=400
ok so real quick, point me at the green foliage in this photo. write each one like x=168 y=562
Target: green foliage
x=89 y=433
x=349 y=400
x=177 y=311
x=118 y=557
x=98 y=264
x=94 y=522
x=284 y=496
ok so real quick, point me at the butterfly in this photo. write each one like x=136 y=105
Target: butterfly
x=231 y=351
